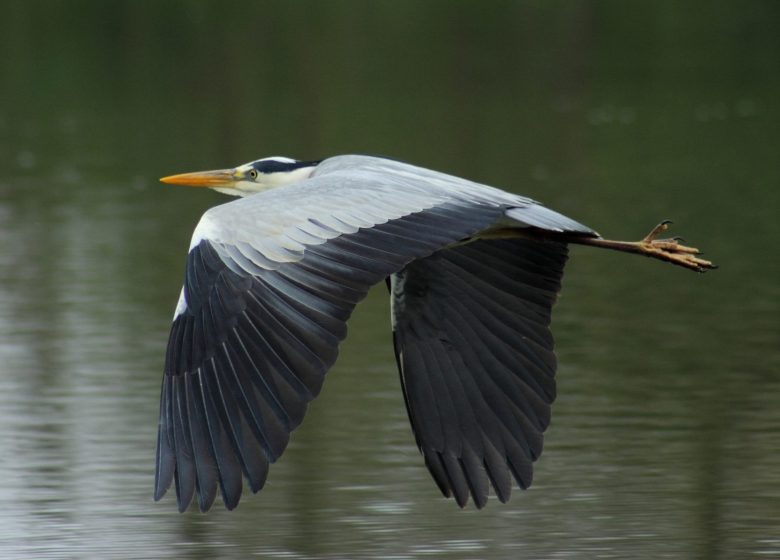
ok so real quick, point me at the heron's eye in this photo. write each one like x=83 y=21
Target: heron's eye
x=253 y=173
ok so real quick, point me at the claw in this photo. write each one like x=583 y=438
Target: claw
x=671 y=250
x=656 y=231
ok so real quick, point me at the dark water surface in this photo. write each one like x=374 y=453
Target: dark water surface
x=665 y=441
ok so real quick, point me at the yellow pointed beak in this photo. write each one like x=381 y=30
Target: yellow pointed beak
x=217 y=178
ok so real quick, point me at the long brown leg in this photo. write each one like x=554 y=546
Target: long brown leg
x=669 y=250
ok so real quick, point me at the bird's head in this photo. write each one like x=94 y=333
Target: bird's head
x=249 y=178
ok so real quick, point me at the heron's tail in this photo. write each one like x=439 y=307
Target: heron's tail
x=538 y=216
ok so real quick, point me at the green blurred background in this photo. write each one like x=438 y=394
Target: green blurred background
x=665 y=440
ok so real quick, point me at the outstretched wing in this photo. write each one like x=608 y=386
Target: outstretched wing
x=253 y=339
x=476 y=360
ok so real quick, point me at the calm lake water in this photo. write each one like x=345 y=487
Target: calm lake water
x=665 y=440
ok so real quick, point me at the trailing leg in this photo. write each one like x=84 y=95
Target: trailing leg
x=669 y=250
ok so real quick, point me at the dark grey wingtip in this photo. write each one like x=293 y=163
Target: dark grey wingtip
x=205 y=501
x=163 y=474
x=159 y=490
x=231 y=502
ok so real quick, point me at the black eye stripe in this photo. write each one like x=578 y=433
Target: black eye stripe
x=275 y=166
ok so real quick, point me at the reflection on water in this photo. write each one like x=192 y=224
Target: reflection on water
x=664 y=441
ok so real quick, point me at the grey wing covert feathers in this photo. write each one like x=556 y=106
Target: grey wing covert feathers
x=271 y=281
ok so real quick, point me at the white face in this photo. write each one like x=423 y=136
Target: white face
x=267 y=173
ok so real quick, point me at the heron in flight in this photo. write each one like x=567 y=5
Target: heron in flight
x=272 y=278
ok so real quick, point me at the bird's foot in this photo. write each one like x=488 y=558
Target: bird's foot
x=672 y=250
x=669 y=250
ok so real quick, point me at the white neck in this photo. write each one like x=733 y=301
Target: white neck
x=280 y=179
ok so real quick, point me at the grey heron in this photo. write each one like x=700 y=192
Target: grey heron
x=271 y=279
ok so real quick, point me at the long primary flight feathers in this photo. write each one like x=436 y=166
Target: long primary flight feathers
x=271 y=280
